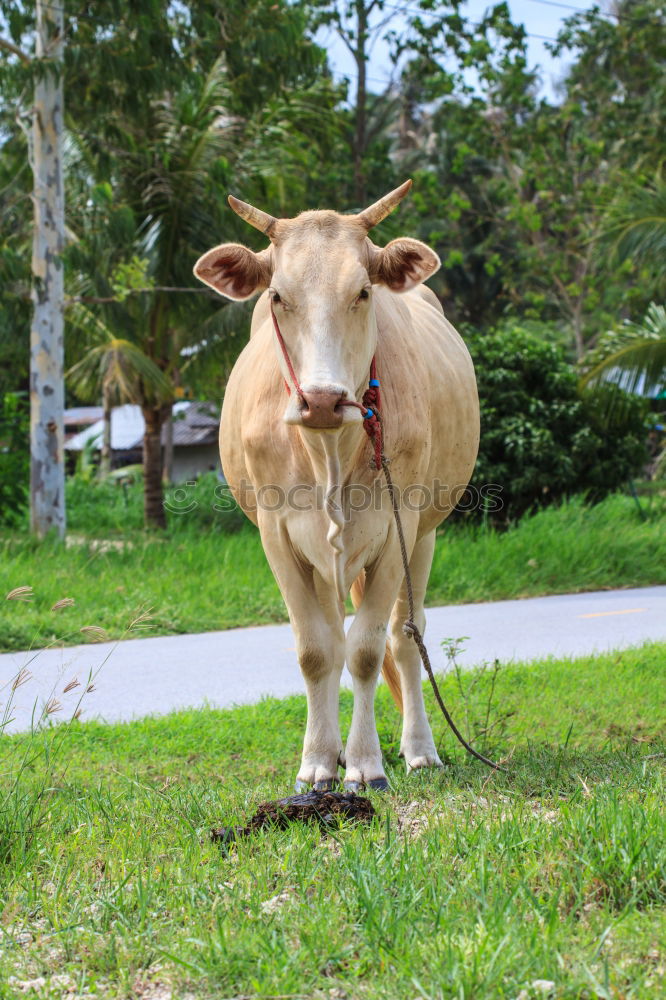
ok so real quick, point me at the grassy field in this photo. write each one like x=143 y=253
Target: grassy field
x=469 y=884
x=197 y=578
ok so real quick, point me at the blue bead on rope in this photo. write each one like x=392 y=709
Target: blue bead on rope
x=366 y=416
x=374 y=383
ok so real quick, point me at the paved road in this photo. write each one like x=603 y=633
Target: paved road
x=152 y=676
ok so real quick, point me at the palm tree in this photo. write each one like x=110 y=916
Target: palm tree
x=171 y=176
x=635 y=228
x=118 y=369
x=633 y=358
x=162 y=202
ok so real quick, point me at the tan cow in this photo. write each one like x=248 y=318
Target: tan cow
x=301 y=465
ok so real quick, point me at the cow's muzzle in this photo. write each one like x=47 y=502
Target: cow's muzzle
x=321 y=408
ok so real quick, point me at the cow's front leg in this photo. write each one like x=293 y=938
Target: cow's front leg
x=320 y=649
x=317 y=620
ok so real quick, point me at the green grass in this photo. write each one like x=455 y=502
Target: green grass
x=469 y=884
x=569 y=548
x=198 y=578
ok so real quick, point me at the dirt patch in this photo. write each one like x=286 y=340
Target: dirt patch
x=413 y=818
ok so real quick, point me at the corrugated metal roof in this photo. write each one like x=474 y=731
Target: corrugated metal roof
x=203 y=415
x=126 y=430
x=83 y=414
x=183 y=436
x=194 y=424
x=198 y=424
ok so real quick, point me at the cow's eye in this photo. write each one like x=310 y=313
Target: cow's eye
x=275 y=297
x=363 y=294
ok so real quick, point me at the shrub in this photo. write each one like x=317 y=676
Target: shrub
x=540 y=441
x=14 y=456
x=203 y=505
x=114 y=506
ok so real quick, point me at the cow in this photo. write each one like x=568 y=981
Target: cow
x=300 y=465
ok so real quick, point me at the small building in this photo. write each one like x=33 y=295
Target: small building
x=79 y=418
x=196 y=427
x=195 y=431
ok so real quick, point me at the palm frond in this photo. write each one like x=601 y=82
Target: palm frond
x=120 y=370
x=635 y=227
x=638 y=367
x=630 y=360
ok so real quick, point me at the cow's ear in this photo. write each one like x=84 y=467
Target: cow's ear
x=402 y=264
x=235 y=271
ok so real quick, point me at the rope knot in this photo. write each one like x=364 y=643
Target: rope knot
x=372 y=422
x=410 y=629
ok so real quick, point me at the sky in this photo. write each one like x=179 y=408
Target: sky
x=542 y=20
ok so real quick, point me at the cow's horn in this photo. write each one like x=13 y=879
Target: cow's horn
x=260 y=220
x=371 y=216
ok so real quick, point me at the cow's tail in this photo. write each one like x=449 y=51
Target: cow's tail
x=389 y=669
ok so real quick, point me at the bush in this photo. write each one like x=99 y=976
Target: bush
x=116 y=506
x=14 y=456
x=103 y=507
x=204 y=505
x=540 y=441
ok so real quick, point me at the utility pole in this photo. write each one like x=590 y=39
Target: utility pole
x=47 y=387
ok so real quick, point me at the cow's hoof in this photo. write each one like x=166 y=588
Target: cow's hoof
x=378 y=784
x=425 y=760
x=325 y=786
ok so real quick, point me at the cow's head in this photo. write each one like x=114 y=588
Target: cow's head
x=320 y=270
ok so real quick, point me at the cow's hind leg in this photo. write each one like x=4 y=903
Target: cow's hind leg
x=417 y=745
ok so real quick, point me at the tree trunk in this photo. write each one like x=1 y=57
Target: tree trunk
x=360 y=129
x=153 y=500
x=47 y=391
x=577 y=324
x=167 y=471
x=105 y=457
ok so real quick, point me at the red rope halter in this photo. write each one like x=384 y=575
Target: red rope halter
x=370 y=407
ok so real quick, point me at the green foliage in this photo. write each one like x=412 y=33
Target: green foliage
x=15 y=209
x=540 y=441
x=617 y=78
x=466 y=885
x=14 y=456
x=512 y=190
x=516 y=193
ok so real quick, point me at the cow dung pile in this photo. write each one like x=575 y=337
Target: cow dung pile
x=311 y=807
